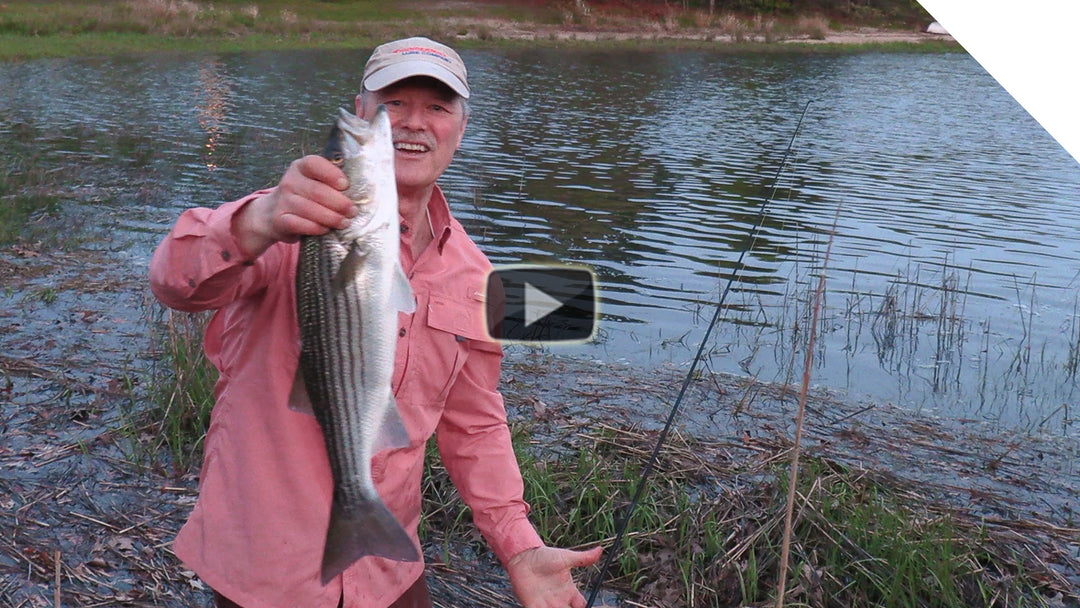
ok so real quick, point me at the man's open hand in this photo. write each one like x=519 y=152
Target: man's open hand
x=541 y=577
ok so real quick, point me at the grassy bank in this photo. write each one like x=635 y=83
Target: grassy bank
x=30 y=29
x=708 y=532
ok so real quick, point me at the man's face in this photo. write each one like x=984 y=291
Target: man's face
x=428 y=121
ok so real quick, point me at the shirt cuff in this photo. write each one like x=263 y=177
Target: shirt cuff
x=517 y=537
x=220 y=229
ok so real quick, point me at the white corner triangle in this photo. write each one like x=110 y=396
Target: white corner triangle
x=1029 y=48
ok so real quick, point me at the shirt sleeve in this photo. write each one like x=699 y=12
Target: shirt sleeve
x=475 y=445
x=200 y=266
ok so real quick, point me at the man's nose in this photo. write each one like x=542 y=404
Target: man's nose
x=411 y=118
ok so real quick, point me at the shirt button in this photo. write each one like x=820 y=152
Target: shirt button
x=225 y=255
x=401 y=332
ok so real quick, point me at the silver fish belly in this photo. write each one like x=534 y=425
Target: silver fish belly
x=349 y=289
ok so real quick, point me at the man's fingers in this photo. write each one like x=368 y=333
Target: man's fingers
x=315 y=179
x=308 y=195
x=331 y=209
x=333 y=200
x=294 y=225
x=302 y=191
x=322 y=170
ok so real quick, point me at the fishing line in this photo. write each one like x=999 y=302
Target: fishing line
x=650 y=465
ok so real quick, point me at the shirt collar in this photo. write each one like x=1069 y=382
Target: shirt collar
x=439 y=217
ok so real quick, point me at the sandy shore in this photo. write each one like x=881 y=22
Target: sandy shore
x=489 y=29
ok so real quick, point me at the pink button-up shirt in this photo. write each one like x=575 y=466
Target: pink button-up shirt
x=257 y=531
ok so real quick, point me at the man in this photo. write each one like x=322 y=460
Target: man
x=256 y=532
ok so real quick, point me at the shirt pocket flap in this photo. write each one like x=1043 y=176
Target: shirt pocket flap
x=463 y=317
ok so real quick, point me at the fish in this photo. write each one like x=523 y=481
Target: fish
x=349 y=287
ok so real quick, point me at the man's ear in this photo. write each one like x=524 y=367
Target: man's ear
x=461 y=135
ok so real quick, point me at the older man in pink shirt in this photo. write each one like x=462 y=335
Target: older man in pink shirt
x=257 y=530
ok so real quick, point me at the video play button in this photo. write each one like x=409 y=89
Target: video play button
x=539 y=303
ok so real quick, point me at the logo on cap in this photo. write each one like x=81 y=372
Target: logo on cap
x=419 y=50
x=541 y=303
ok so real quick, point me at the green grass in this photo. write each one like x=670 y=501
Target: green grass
x=23 y=192
x=180 y=394
x=16 y=212
x=54 y=28
x=38 y=29
x=878 y=548
x=858 y=542
x=114 y=43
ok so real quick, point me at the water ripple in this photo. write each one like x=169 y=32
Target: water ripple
x=652 y=168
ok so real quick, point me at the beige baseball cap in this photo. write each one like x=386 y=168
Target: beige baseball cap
x=417 y=56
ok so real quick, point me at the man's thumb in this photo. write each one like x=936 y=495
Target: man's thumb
x=580 y=559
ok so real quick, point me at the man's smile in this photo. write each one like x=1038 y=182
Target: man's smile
x=406 y=146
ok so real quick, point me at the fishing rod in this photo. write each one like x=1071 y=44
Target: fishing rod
x=655 y=455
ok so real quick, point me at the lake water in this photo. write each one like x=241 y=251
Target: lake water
x=952 y=286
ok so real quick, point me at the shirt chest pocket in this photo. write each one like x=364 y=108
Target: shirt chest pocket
x=452 y=324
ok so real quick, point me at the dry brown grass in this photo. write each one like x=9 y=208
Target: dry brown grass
x=814 y=26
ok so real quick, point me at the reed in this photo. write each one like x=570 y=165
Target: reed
x=180 y=395
x=19 y=212
x=921 y=330
x=1072 y=362
x=24 y=190
x=789 y=509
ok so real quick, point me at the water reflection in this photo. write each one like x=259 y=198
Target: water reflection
x=950 y=286
x=213 y=93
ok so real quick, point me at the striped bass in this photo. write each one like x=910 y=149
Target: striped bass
x=349 y=287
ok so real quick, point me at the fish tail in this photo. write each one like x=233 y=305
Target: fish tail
x=368 y=529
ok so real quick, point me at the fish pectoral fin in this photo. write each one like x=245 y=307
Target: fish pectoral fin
x=402 y=298
x=392 y=432
x=349 y=268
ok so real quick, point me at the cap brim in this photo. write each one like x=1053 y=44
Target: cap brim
x=407 y=69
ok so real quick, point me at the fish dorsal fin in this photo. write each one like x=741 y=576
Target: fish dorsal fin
x=402 y=297
x=392 y=433
x=348 y=269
